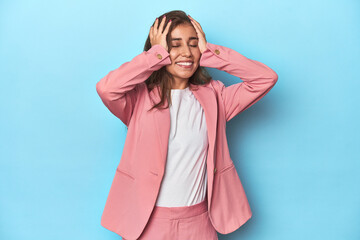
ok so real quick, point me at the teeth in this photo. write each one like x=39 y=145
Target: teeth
x=185 y=63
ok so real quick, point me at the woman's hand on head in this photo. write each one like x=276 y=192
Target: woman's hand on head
x=157 y=35
x=200 y=33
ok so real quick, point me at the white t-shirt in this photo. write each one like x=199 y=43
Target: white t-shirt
x=185 y=178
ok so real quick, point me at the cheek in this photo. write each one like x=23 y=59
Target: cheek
x=169 y=68
x=173 y=55
x=197 y=54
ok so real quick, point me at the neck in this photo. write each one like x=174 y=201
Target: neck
x=182 y=84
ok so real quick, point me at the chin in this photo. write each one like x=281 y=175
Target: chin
x=188 y=75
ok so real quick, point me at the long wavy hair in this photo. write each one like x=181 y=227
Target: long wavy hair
x=162 y=77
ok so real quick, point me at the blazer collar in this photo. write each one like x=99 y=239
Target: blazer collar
x=206 y=96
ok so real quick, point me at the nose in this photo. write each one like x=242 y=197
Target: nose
x=185 y=51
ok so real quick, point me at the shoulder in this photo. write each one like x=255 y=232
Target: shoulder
x=217 y=85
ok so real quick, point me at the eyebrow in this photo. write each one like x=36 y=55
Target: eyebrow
x=191 y=38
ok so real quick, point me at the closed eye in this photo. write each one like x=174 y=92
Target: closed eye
x=190 y=46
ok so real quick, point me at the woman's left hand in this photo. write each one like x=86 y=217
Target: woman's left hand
x=200 y=34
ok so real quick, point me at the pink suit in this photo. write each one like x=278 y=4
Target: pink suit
x=139 y=174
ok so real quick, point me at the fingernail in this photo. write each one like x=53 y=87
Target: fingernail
x=170 y=20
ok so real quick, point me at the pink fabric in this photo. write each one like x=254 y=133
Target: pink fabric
x=138 y=176
x=177 y=223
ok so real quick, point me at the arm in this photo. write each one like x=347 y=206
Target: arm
x=118 y=89
x=258 y=79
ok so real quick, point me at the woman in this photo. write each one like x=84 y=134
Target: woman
x=175 y=179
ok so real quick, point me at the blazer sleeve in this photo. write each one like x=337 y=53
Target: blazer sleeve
x=118 y=90
x=258 y=79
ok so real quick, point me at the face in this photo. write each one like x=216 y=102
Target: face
x=184 y=51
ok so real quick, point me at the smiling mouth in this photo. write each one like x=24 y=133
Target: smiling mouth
x=185 y=64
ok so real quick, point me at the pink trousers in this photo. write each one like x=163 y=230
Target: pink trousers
x=179 y=223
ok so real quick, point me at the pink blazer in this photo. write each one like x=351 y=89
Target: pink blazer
x=139 y=174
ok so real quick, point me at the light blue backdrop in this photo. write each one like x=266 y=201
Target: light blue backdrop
x=296 y=150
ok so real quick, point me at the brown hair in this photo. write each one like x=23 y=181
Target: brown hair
x=162 y=77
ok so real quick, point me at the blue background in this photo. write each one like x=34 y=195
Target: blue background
x=296 y=150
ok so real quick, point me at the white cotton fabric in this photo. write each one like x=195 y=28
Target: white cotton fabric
x=185 y=178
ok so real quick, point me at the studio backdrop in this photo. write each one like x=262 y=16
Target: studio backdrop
x=296 y=150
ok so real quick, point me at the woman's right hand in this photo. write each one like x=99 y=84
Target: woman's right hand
x=157 y=35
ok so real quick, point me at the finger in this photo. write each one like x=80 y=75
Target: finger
x=151 y=34
x=199 y=31
x=161 y=27
x=196 y=28
x=155 y=28
x=195 y=22
x=167 y=28
x=198 y=25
